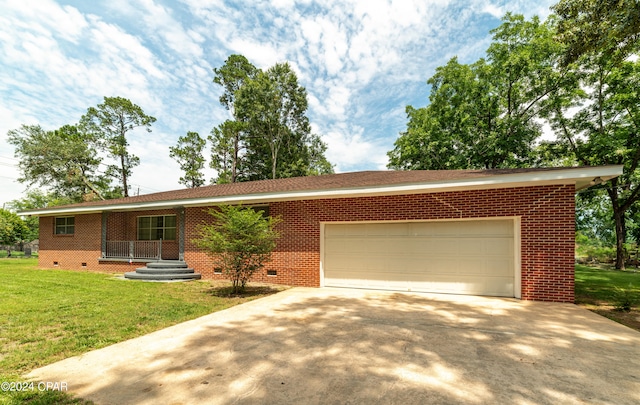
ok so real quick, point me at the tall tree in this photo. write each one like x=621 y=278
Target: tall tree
x=188 y=154
x=110 y=122
x=274 y=106
x=484 y=115
x=228 y=140
x=318 y=162
x=610 y=27
x=599 y=121
x=269 y=133
x=64 y=160
x=234 y=74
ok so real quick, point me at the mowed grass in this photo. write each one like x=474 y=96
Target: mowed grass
x=49 y=315
x=14 y=254
x=602 y=289
x=601 y=285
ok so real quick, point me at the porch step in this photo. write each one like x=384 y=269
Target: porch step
x=164 y=270
x=162 y=277
x=167 y=264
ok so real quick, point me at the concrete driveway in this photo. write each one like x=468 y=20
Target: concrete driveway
x=341 y=346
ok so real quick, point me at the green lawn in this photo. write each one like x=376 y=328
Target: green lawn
x=604 y=290
x=14 y=254
x=49 y=315
x=601 y=285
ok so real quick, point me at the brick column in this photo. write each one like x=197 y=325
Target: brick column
x=105 y=216
x=181 y=233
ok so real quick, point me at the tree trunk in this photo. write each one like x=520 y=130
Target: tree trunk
x=618 y=216
x=234 y=160
x=91 y=187
x=124 y=177
x=620 y=239
x=274 y=156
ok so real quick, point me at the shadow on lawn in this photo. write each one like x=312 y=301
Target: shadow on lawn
x=371 y=348
x=249 y=291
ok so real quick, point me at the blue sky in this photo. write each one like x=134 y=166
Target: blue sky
x=361 y=61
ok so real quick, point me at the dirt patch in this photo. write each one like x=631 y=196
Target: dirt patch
x=223 y=288
x=630 y=319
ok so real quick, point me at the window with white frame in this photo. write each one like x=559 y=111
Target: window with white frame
x=157 y=227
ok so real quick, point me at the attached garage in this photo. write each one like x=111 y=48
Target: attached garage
x=477 y=257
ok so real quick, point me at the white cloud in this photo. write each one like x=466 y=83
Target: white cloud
x=161 y=26
x=67 y=21
x=263 y=55
x=361 y=61
x=116 y=46
x=492 y=9
x=348 y=148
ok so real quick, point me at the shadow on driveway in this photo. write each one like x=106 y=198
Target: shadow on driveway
x=342 y=346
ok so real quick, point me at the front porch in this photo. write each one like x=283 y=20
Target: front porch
x=133 y=250
x=141 y=237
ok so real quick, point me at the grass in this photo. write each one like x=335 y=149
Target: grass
x=14 y=254
x=49 y=315
x=603 y=289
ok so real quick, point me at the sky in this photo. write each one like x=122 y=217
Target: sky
x=361 y=61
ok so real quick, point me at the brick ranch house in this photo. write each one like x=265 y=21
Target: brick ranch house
x=504 y=232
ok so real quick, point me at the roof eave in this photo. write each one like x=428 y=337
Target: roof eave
x=583 y=177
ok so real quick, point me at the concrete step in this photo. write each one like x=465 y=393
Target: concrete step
x=167 y=264
x=133 y=275
x=164 y=270
x=147 y=270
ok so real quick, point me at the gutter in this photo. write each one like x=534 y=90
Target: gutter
x=582 y=177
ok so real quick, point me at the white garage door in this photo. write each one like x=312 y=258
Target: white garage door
x=463 y=257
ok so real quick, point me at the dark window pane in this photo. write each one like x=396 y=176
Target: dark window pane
x=170 y=234
x=144 y=222
x=144 y=234
x=170 y=221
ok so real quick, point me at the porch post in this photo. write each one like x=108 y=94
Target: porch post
x=105 y=215
x=181 y=233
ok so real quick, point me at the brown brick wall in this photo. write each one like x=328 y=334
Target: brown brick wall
x=71 y=251
x=547 y=232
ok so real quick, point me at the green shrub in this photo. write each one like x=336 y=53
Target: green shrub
x=624 y=298
x=600 y=254
x=240 y=241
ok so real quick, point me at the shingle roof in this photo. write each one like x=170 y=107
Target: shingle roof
x=341 y=181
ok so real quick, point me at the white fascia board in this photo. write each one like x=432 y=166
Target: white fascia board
x=581 y=177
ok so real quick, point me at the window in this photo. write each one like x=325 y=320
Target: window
x=65 y=225
x=157 y=227
x=263 y=208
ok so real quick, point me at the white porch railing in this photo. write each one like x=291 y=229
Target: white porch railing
x=134 y=249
